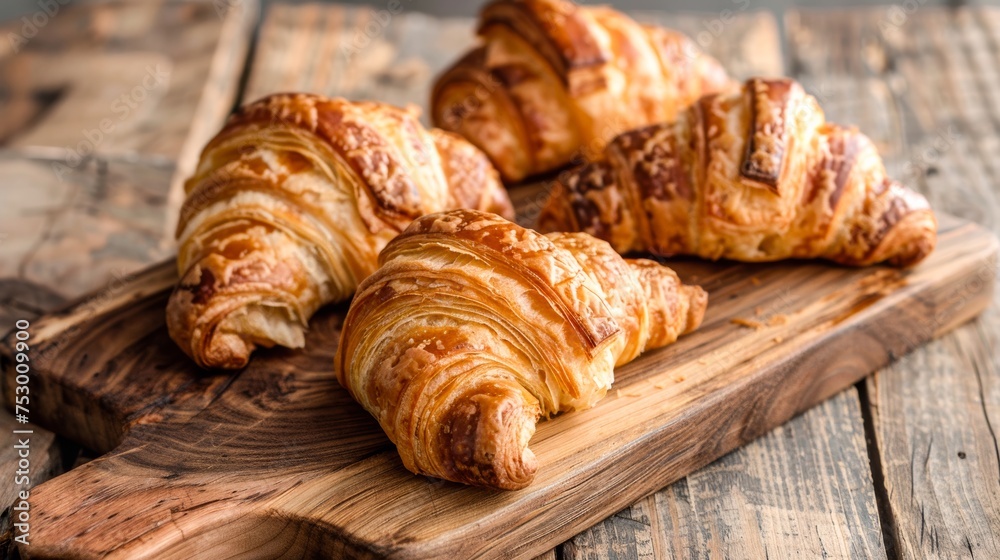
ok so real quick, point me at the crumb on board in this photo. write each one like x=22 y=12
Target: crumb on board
x=702 y=361
x=748 y=323
x=755 y=281
x=679 y=379
x=779 y=319
x=777 y=339
x=659 y=386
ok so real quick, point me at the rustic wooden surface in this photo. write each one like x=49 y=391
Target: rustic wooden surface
x=278 y=452
x=50 y=455
x=398 y=62
x=755 y=502
x=70 y=225
x=926 y=81
x=116 y=81
x=906 y=78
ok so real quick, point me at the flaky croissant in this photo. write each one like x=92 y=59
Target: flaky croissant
x=474 y=327
x=289 y=207
x=752 y=175
x=554 y=81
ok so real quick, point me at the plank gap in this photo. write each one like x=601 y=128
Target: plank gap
x=244 y=77
x=887 y=520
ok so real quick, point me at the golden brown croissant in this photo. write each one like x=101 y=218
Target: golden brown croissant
x=752 y=175
x=554 y=81
x=289 y=207
x=474 y=327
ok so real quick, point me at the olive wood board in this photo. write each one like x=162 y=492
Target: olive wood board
x=277 y=461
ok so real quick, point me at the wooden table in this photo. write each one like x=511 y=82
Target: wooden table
x=905 y=464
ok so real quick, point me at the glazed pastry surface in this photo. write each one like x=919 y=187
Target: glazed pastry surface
x=289 y=207
x=756 y=174
x=473 y=328
x=554 y=82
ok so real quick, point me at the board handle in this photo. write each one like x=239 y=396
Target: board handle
x=115 y=507
x=82 y=389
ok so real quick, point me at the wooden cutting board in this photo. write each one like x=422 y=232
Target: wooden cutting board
x=277 y=461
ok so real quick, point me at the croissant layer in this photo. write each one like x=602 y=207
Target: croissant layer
x=752 y=175
x=289 y=207
x=473 y=328
x=554 y=81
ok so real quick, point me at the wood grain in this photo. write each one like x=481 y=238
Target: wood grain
x=65 y=238
x=176 y=62
x=923 y=83
x=117 y=80
x=86 y=229
x=757 y=502
x=50 y=455
x=83 y=207
x=315 y=473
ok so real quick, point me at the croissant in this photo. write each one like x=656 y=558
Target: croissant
x=554 y=81
x=752 y=175
x=473 y=328
x=289 y=207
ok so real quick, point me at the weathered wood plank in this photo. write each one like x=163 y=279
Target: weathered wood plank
x=932 y=76
x=802 y=491
x=808 y=488
x=156 y=70
x=117 y=80
x=83 y=230
x=106 y=107
x=60 y=238
x=49 y=454
x=936 y=414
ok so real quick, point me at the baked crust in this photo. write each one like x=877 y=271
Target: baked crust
x=289 y=207
x=554 y=82
x=473 y=328
x=756 y=174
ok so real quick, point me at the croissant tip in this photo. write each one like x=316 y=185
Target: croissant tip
x=487 y=441
x=910 y=240
x=698 y=299
x=228 y=351
x=913 y=253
